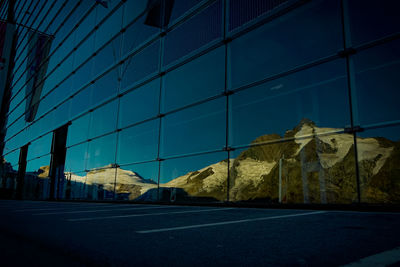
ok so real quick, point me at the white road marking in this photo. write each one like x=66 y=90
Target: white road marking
x=385 y=258
x=89 y=211
x=144 y=214
x=63 y=208
x=227 y=222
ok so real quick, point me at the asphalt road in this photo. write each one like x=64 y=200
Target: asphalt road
x=101 y=234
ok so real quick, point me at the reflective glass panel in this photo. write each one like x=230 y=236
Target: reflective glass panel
x=109 y=28
x=196 y=129
x=244 y=11
x=107 y=57
x=138 y=143
x=78 y=130
x=194 y=33
x=140 y=66
x=140 y=104
x=132 y=9
x=136 y=34
x=76 y=186
x=318 y=170
x=82 y=76
x=12 y=158
x=376 y=84
x=40 y=146
x=76 y=158
x=101 y=183
x=37 y=182
x=105 y=87
x=80 y=102
x=101 y=152
x=194 y=81
x=137 y=182
x=286 y=42
x=104 y=119
x=317 y=96
x=370 y=20
x=180 y=7
x=200 y=178
x=379 y=165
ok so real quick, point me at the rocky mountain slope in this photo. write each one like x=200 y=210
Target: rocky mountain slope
x=317 y=166
x=313 y=165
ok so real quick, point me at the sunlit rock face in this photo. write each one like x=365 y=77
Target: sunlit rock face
x=317 y=165
x=308 y=164
x=125 y=181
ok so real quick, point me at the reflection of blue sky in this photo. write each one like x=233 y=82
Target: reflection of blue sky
x=319 y=93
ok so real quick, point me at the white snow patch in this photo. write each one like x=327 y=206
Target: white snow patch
x=369 y=149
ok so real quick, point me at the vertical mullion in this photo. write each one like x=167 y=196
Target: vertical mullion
x=225 y=26
x=350 y=87
x=160 y=69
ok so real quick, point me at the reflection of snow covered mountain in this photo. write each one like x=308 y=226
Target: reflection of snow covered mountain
x=317 y=165
x=314 y=165
x=125 y=181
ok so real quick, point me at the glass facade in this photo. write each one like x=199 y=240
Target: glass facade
x=267 y=101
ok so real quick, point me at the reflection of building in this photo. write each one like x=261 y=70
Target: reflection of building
x=208 y=100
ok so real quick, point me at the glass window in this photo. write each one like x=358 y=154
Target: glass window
x=44 y=106
x=62 y=92
x=18 y=98
x=84 y=51
x=318 y=170
x=196 y=129
x=60 y=116
x=101 y=152
x=101 y=183
x=39 y=167
x=82 y=76
x=40 y=147
x=104 y=119
x=46 y=26
x=244 y=11
x=195 y=81
x=107 y=57
x=137 y=182
x=377 y=80
x=86 y=26
x=140 y=66
x=138 y=143
x=78 y=185
x=180 y=7
x=317 y=96
x=105 y=87
x=137 y=34
x=370 y=20
x=102 y=11
x=286 y=42
x=198 y=31
x=109 y=28
x=140 y=104
x=15 y=114
x=76 y=158
x=37 y=182
x=78 y=130
x=379 y=165
x=16 y=126
x=132 y=9
x=12 y=157
x=80 y=102
x=199 y=178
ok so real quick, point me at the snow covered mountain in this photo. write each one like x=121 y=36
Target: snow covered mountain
x=317 y=166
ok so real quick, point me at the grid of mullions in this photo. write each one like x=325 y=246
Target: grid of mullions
x=164 y=118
